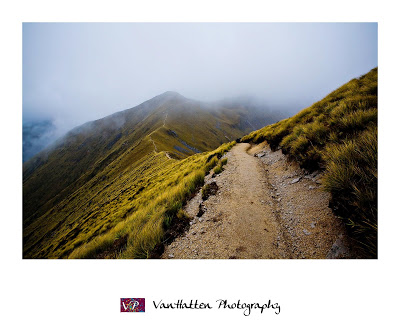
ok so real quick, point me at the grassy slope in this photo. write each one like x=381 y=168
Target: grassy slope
x=158 y=205
x=103 y=173
x=339 y=135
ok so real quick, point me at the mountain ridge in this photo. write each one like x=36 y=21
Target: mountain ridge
x=100 y=152
x=130 y=202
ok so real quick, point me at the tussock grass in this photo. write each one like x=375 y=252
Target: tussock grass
x=338 y=135
x=205 y=191
x=351 y=177
x=162 y=203
x=218 y=169
x=220 y=166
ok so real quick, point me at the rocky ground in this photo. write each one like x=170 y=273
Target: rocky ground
x=261 y=206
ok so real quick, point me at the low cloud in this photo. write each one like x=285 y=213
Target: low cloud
x=74 y=73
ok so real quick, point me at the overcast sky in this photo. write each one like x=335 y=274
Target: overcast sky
x=73 y=73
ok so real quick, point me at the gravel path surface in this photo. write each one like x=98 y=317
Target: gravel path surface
x=265 y=207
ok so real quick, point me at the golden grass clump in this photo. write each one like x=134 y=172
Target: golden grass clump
x=351 y=178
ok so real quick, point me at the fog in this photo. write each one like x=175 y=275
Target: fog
x=74 y=73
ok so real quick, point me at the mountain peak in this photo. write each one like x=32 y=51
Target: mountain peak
x=171 y=94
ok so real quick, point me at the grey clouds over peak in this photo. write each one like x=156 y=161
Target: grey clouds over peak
x=77 y=72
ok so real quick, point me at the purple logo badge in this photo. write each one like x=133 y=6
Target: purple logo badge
x=132 y=305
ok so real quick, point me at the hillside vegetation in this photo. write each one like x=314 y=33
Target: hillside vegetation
x=110 y=174
x=338 y=135
x=159 y=207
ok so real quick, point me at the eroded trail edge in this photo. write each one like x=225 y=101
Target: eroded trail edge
x=265 y=207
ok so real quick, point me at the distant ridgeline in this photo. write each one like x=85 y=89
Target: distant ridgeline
x=338 y=135
x=111 y=187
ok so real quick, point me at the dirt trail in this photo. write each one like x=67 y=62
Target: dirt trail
x=265 y=207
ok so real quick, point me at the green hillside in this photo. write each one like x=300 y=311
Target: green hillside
x=103 y=176
x=338 y=135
